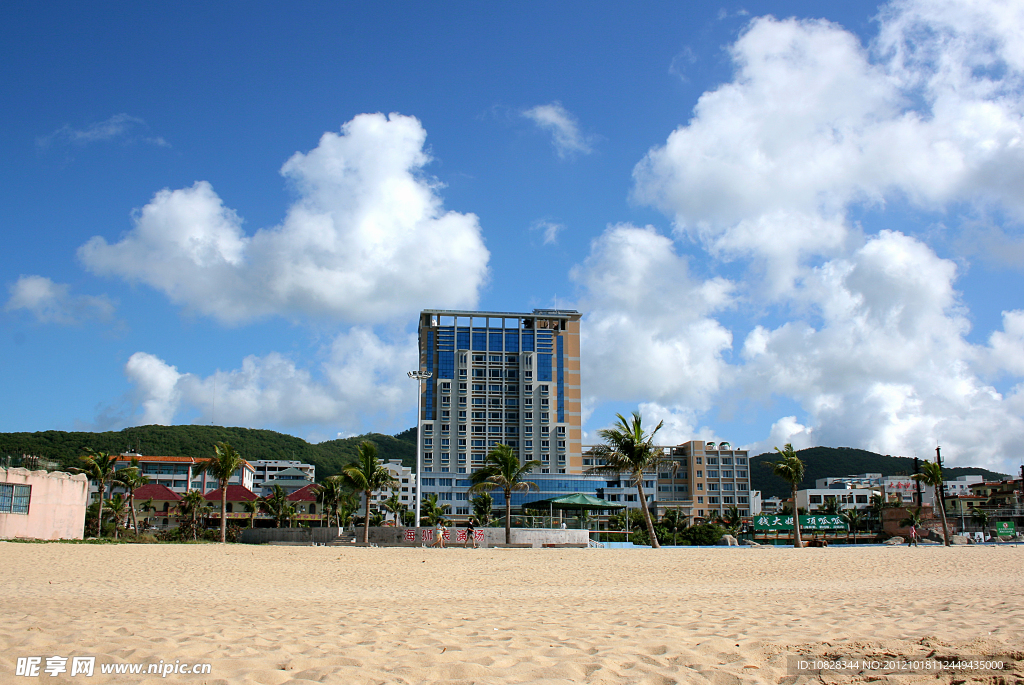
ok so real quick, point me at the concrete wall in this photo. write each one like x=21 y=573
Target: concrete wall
x=56 y=509
x=260 y=536
x=537 y=537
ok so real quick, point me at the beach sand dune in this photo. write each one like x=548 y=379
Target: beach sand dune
x=275 y=615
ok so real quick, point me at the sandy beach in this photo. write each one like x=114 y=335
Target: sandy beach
x=276 y=615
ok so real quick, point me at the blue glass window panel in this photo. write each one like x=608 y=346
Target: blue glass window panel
x=446 y=338
x=561 y=380
x=462 y=338
x=544 y=367
x=527 y=342
x=479 y=340
x=496 y=345
x=446 y=365
x=511 y=342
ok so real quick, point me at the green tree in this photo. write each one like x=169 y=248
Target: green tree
x=431 y=511
x=931 y=474
x=222 y=466
x=853 y=517
x=482 y=505
x=367 y=475
x=192 y=509
x=732 y=519
x=253 y=508
x=99 y=467
x=630 y=449
x=117 y=508
x=502 y=471
x=395 y=505
x=278 y=506
x=131 y=479
x=790 y=469
x=329 y=493
x=981 y=517
x=674 y=520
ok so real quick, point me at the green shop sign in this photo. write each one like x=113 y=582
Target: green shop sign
x=1006 y=528
x=785 y=522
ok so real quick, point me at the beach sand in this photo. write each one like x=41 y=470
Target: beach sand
x=275 y=615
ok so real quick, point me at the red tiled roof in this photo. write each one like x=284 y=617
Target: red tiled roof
x=236 y=493
x=306 y=493
x=143 y=459
x=156 y=491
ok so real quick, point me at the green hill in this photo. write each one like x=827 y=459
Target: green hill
x=821 y=462
x=198 y=441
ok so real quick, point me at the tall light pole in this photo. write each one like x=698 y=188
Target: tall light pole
x=419 y=377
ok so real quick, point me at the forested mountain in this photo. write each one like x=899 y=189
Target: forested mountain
x=843 y=461
x=198 y=441
x=332 y=456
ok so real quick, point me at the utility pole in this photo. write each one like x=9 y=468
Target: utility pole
x=917 y=483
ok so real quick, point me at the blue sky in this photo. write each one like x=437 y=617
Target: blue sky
x=783 y=222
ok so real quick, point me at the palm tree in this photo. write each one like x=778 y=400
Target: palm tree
x=223 y=465
x=253 y=507
x=431 y=511
x=367 y=475
x=790 y=469
x=131 y=479
x=277 y=505
x=502 y=470
x=675 y=521
x=981 y=517
x=732 y=519
x=330 y=492
x=395 y=505
x=913 y=520
x=931 y=474
x=99 y=467
x=482 y=504
x=192 y=507
x=347 y=506
x=853 y=518
x=629 y=449
x=146 y=507
x=118 y=507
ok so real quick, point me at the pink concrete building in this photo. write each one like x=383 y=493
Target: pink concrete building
x=42 y=505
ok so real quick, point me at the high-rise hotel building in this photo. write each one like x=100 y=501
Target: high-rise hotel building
x=500 y=378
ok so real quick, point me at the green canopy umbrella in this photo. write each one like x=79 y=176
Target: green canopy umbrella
x=577 y=500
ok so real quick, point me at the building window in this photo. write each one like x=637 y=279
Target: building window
x=712 y=474
x=14 y=499
x=815 y=499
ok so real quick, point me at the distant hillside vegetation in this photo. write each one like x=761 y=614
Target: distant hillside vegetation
x=197 y=441
x=843 y=461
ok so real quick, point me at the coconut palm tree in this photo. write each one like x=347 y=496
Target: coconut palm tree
x=253 y=507
x=131 y=479
x=99 y=467
x=367 y=475
x=277 y=504
x=482 y=504
x=145 y=507
x=431 y=511
x=117 y=506
x=630 y=449
x=675 y=521
x=931 y=474
x=192 y=508
x=790 y=469
x=222 y=466
x=330 y=492
x=853 y=517
x=981 y=517
x=502 y=471
x=395 y=505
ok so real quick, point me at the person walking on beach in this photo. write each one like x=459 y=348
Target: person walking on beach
x=439 y=535
x=913 y=535
x=471 y=533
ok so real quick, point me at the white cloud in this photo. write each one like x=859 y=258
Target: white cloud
x=770 y=163
x=647 y=330
x=361 y=381
x=563 y=127
x=367 y=239
x=549 y=230
x=51 y=302
x=122 y=127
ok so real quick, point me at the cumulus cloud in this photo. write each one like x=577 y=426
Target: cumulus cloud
x=51 y=302
x=563 y=127
x=648 y=330
x=361 y=378
x=549 y=230
x=366 y=240
x=814 y=122
x=123 y=127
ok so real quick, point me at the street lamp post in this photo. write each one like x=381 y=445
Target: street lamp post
x=419 y=377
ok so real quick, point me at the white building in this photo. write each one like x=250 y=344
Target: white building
x=291 y=475
x=178 y=474
x=847 y=498
x=406 y=487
